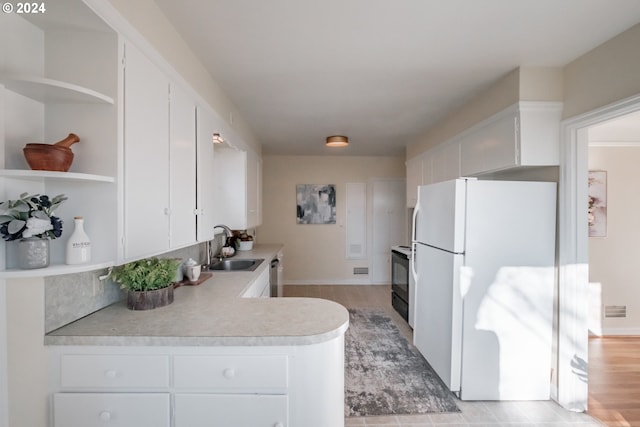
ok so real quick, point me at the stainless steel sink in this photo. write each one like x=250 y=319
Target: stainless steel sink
x=235 y=264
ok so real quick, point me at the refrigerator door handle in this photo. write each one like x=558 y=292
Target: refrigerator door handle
x=414 y=244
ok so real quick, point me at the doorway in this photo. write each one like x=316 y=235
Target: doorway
x=573 y=273
x=614 y=229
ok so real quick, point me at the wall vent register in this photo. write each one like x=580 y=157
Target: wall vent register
x=615 y=311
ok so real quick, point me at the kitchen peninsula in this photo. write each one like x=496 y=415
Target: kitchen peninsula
x=209 y=357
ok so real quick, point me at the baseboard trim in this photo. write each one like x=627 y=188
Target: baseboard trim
x=615 y=332
x=354 y=282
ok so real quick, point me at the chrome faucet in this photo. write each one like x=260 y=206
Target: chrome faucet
x=229 y=233
x=227 y=229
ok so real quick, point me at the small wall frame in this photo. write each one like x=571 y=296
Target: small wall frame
x=597 y=203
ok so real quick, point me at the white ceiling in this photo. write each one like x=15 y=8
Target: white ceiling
x=378 y=71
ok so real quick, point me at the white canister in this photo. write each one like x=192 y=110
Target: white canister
x=79 y=244
x=192 y=270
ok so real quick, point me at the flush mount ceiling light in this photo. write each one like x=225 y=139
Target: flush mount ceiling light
x=337 y=141
x=217 y=139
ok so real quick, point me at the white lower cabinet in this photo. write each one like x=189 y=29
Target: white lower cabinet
x=260 y=286
x=225 y=410
x=111 y=409
x=219 y=386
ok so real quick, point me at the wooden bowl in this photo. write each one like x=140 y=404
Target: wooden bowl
x=47 y=157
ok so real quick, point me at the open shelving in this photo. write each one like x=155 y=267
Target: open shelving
x=52 y=270
x=61 y=73
x=47 y=90
x=38 y=175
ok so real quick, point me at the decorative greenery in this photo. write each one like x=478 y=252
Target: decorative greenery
x=146 y=274
x=31 y=216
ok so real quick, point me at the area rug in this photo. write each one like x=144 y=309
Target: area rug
x=384 y=374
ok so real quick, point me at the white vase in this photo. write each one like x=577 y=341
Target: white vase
x=79 y=244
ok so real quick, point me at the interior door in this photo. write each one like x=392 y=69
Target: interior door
x=389 y=226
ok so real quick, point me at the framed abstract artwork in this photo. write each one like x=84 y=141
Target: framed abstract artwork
x=316 y=203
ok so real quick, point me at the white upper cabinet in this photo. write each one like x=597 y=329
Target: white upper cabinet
x=146 y=156
x=238 y=188
x=445 y=162
x=207 y=125
x=426 y=159
x=160 y=160
x=182 y=159
x=254 y=190
x=526 y=134
x=414 y=179
x=419 y=172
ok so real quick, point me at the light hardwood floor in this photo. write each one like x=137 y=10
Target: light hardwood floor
x=474 y=414
x=614 y=380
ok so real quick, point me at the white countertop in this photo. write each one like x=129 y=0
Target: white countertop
x=212 y=314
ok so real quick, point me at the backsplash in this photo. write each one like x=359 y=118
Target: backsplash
x=70 y=297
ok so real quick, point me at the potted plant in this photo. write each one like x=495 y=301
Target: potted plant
x=31 y=221
x=149 y=282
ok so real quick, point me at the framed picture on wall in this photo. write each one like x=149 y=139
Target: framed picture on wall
x=597 y=203
x=316 y=203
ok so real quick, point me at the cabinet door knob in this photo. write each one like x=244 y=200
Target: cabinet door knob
x=105 y=416
x=110 y=373
x=229 y=373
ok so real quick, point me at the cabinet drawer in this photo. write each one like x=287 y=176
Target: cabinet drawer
x=211 y=410
x=111 y=409
x=230 y=372
x=112 y=371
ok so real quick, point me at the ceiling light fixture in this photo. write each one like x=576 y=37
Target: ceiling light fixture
x=217 y=139
x=337 y=141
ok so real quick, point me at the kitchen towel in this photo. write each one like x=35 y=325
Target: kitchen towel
x=384 y=374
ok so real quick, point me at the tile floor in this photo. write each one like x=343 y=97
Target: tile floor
x=473 y=414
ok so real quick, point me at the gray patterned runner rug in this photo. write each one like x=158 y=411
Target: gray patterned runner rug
x=384 y=374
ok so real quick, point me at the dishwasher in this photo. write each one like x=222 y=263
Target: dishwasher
x=273 y=277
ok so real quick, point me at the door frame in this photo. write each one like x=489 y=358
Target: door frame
x=573 y=253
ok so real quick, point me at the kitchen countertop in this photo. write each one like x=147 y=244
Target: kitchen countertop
x=213 y=314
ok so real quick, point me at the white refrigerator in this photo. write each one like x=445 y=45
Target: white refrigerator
x=484 y=267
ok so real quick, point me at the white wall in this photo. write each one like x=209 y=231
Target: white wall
x=613 y=260
x=604 y=75
x=316 y=253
